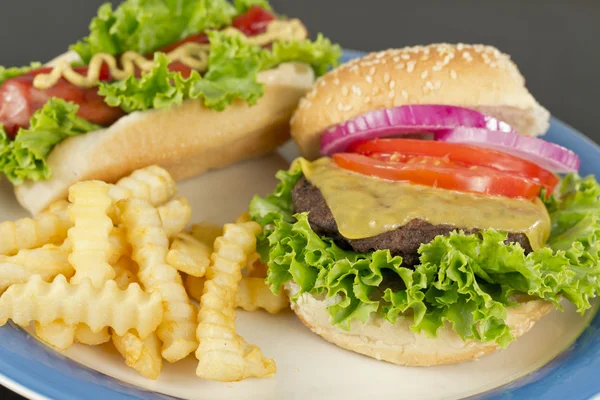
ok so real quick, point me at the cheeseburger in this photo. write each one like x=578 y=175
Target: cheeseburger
x=426 y=223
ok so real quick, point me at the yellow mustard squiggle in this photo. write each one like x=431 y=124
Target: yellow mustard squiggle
x=193 y=55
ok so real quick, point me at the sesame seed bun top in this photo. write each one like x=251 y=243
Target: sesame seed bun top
x=474 y=76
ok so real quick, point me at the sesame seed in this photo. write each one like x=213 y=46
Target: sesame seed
x=405 y=56
x=354 y=68
x=380 y=55
x=424 y=74
x=452 y=74
x=345 y=91
x=392 y=94
x=386 y=77
x=460 y=47
x=375 y=90
x=340 y=107
x=411 y=66
x=347 y=107
x=396 y=59
x=392 y=84
x=369 y=79
x=356 y=90
x=372 y=71
x=428 y=87
x=405 y=94
x=322 y=82
x=399 y=66
x=367 y=100
x=329 y=100
x=336 y=81
x=437 y=85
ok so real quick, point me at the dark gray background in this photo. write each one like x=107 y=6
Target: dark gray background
x=554 y=42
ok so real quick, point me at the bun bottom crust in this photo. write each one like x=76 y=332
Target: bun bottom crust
x=398 y=344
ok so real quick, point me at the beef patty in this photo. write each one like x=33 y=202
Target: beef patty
x=403 y=241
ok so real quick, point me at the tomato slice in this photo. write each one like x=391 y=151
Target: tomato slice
x=459 y=153
x=251 y=23
x=254 y=21
x=442 y=173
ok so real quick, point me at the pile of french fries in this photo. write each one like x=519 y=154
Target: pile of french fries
x=114 y=263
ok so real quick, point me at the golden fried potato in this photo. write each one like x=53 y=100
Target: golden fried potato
x=252 y=295
x=49 y=227
x=206 y=232
x=222 y=354
x=150 y=245
x=153 y=184
x=175 y=216
x=98 y=308
x=90 y=233
x=47 y=262
x=189 y=255
x=91 y=245
x=141 y=355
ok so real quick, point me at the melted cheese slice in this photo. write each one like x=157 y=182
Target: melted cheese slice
x=365 y=206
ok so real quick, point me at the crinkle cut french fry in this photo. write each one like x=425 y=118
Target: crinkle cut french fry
x=92 y=248
x=84 y=335
x=255 y=268
x=243 y=217
x=142 y=355
x=189 y=255
x=153 y=184
x=118 y=244
x=206 y=232
x=90 y=233
x=98 y=308
x=222 y=354
x=47 y=261
x=149 y=245
x=175 y=215
x=49 y=227
x=125 y=272
x=194 y=286
x=253 y=294
x=56 y=333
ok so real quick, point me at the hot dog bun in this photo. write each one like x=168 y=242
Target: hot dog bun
x=186 y=140
x=398 y=344
x=473 y=76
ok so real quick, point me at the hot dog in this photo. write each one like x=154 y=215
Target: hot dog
x=210 y=58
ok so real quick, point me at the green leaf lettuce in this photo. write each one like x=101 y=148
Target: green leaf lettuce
x=468 y=281
x=147 y=25
x=233 y=68
x=25 y=157
x=8 y=73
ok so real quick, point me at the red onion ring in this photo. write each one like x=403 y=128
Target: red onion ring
x=547 y=155
x=405 y=120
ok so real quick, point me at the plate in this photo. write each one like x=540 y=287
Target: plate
x=559 y=358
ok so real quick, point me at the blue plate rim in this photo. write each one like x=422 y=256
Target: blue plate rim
x=556 y=379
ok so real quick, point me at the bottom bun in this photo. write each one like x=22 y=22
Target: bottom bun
x=398 y=344
x=186 y=140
